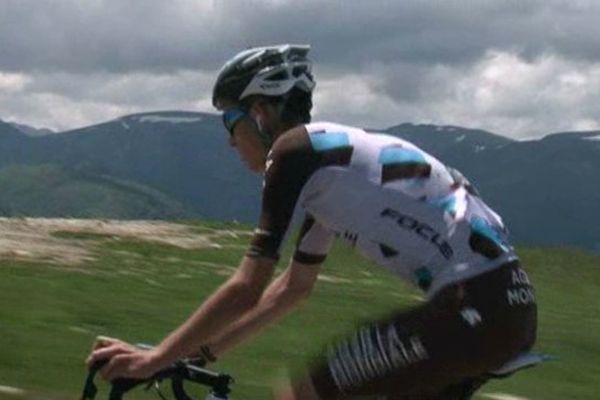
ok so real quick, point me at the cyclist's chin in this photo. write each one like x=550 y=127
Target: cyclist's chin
x=256 y=166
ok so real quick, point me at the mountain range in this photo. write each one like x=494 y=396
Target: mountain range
x=177 y=164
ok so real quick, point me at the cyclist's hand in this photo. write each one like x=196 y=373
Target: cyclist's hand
x=126 y=360
x=105 y=347
x=105 y=341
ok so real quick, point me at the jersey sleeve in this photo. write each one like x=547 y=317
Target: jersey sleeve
x=314 y=242
x=289 y=166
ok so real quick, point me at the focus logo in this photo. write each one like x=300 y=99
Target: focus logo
x=422 y=230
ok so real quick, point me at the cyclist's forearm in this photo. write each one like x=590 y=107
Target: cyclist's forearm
x=225 y=305
x=278 y=300
x=239 y=294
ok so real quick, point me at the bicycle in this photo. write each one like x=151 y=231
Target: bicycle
x=190 y=370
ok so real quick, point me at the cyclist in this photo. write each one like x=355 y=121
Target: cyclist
x=398 y=205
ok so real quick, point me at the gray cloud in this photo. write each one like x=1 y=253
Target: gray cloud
x=132 y=89
x=111 y=35
x=114 y=35
x=65 y=100
x=503 y=92
x=412 y=60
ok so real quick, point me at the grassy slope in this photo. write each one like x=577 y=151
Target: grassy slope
x=53 y=191
x=50 y=314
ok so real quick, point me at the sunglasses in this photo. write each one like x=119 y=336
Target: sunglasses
x=232 y=117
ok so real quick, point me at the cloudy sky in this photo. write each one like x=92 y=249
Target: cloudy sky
x=521 y=68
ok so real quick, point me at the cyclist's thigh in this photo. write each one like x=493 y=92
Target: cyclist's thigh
x=416 y=354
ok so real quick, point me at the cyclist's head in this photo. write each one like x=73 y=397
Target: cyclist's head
x=277 y=79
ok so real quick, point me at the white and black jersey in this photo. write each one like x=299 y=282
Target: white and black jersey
x=398 y=205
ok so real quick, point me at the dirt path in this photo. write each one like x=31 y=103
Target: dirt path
x=33 y=239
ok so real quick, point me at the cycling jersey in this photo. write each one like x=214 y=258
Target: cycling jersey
x=397 y=204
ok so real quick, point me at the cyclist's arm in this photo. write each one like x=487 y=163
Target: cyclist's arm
x=284 y=294
x=291 y=163
x=235 y=297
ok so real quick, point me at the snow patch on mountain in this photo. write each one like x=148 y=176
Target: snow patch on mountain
x=446 y=128
x=168 y=119
x=594 y=138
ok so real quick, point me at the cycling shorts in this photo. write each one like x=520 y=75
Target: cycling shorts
x=427 y=352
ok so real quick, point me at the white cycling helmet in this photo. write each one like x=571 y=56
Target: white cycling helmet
x=268 y=71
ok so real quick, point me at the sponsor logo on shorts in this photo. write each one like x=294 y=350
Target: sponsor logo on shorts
x=520 y=292
x=471 y=315
x=373 y=352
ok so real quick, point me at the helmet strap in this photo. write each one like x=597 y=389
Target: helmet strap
x=265 y=138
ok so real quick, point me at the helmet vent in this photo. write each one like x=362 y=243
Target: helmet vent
x=280 y=76
x=297 y=71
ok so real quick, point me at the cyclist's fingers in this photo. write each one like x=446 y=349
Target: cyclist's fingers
x=104 y=341
x=108 y=352
x=115 y=367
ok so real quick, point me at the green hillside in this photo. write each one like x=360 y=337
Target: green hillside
x=53 y=191
x=50 y=312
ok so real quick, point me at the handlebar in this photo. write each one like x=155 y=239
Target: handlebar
x=179 y=372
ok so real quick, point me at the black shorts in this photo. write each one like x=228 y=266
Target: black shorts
x=466 y=330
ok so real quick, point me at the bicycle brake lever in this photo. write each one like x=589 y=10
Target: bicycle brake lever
x=90 y=389
x=122 y=385
x=118 y=386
